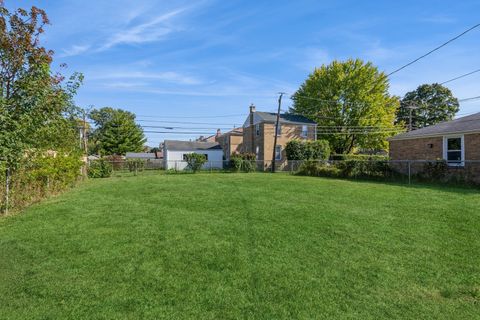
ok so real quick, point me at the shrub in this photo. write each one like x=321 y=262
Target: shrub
x=317 y=169
x=100 y=168
x=135 y=165
x=242 y=162
x=307 y=150
x=435 y=171
x=117 y=162
x=195 y=161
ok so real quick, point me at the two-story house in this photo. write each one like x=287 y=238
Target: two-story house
x=259 y=128
x=231 y=142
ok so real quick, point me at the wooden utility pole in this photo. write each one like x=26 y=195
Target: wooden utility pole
x=276 y=130
x=410 y=109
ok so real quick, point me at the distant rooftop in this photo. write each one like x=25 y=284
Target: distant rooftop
x=284 y=117
x=466 y=124
x=140 y=155
x=178 y=145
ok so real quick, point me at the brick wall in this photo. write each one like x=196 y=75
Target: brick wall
x=417 y=149
x=432 y=149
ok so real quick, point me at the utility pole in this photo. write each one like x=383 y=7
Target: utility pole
x=410 y=109
x=276 y=130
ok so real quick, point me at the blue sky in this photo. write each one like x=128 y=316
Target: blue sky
x=208 y=60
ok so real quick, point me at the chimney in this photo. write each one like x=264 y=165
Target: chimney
x=219 y=133
x=252 y=108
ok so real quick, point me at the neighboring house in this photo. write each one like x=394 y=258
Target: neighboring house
x=174 y=152
x=212 y=138
x=231 y=142
x=259 y=128
x=140 y=155
x=456 y=141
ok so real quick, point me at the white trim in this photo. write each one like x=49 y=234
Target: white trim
x=462 y=151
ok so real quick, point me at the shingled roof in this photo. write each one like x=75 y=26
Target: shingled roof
x=177 y=145
x=468 y=124
x=284 y=118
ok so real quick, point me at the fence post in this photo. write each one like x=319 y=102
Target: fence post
x=409 y=172
x=7 y=189
x=210 y=164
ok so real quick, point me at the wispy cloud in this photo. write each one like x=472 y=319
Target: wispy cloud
x=74 y=50
x=149 y=31
x=168 y=76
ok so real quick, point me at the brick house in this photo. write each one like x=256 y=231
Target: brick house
x=456 y=141
x=259 y=128
x=231 y=142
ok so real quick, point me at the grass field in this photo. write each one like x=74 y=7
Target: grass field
x=243 y=246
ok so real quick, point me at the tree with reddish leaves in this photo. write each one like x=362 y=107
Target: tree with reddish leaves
x=36 y=106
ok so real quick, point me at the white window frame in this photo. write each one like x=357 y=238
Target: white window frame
x=462 y=151
x=304 y=133
x=278 y=153
x=257 y=129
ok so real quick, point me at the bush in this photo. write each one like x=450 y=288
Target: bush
x=39 y=175
x=307 y=150
x=318 y=169
x=435 y=171
x=242 y=162
x=117 y=162
x=100 y=169
x=195 y=161
x=135 y=165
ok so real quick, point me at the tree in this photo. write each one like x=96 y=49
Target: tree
x=430 y=103
x=307 y=150
x=350 y=102
x=195 y=161
x=116 y=132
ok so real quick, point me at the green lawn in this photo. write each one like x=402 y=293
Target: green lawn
x=243 y=246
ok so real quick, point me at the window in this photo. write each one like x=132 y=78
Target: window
x=257 y=152
x=279 y=131
x=278 y=153
x=304 y=131
x=206 y=156
x=185 y=157
x=453 y=150
x=257 y=129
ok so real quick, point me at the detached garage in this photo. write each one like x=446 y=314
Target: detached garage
x=175 y=151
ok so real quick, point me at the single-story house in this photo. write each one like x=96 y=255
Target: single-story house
x=456 y=141
x=175 y=151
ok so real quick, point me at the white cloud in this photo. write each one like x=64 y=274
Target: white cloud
x=150 y=31
x=74 y=50
x=168 y=76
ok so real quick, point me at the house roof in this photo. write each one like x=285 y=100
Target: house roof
x=177 y=145
x=284 y=118
x=236 y=131
x=140 y=155
x=466 y=124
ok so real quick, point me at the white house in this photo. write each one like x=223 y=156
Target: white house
x=174 y=152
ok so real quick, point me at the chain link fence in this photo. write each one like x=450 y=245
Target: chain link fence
x=402 y=171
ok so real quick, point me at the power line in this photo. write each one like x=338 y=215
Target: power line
x=432 y=51
x=459 y=77
x=192 y=117
x=469 y=99
x=186 y=122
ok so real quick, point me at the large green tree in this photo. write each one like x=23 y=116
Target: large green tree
x=36 y=107
x=116 y=132
x=351 y=104
x=429 y=104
